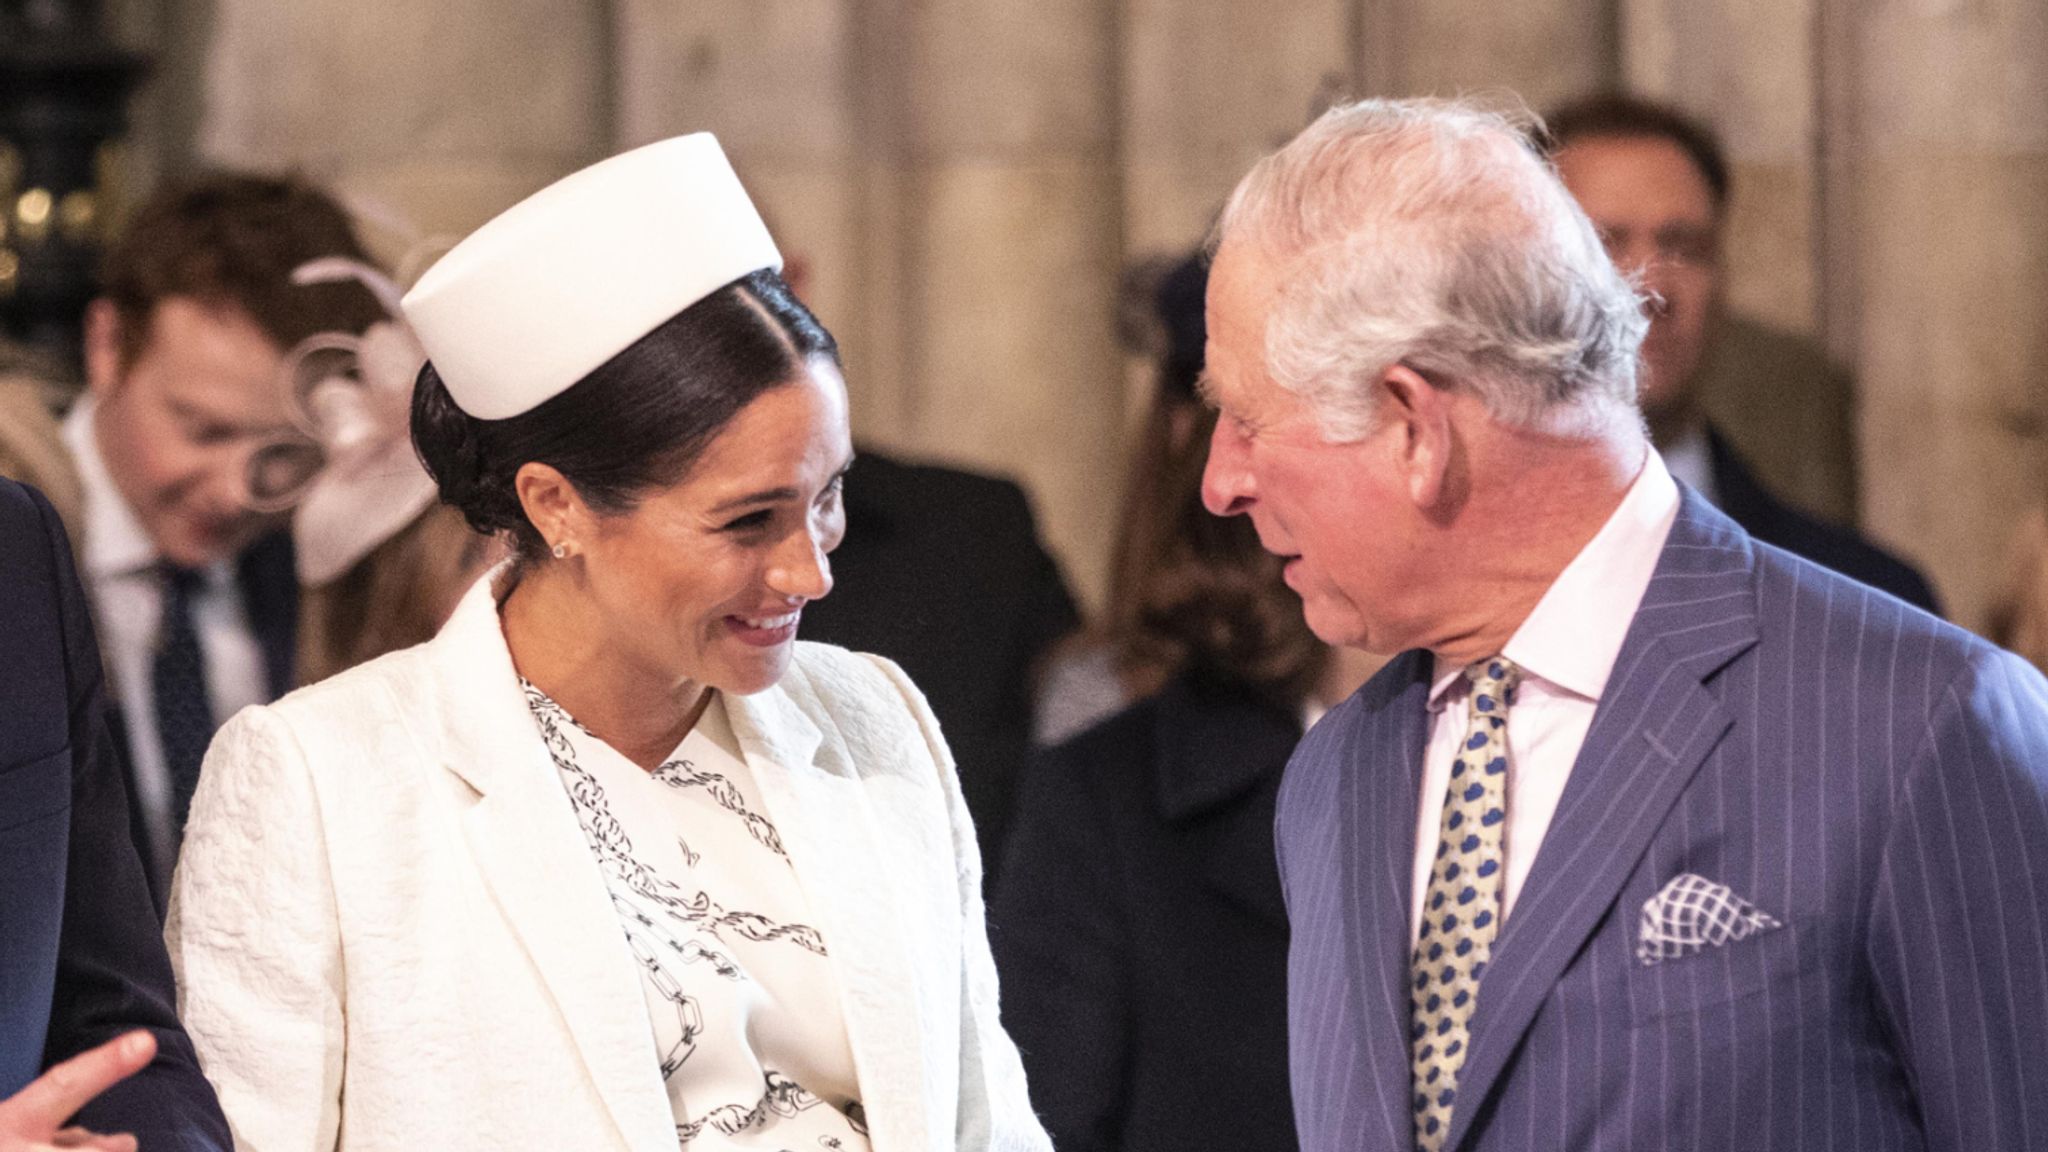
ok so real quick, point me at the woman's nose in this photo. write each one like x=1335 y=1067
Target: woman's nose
x=802 y=570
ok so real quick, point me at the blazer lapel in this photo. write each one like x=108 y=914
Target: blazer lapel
x=1651 y=731
x=533 y=857
x=1377 y=791
x=835 y=843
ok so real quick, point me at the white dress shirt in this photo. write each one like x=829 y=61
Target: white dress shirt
x=127 y=603
x=743 y=1003
x=1566 y=650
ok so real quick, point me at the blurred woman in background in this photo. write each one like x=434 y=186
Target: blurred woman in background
x=1139 y=924
x=381 y=562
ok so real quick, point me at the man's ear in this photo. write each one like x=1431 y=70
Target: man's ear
x=1417 y=414
x=105 y=362
x=553 y=505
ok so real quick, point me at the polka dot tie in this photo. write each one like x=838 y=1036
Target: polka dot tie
x=1461 y=910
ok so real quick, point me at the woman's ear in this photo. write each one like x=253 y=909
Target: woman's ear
x=553 y=506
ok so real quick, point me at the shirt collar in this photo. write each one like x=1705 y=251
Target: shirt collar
x=115 y=543
x=1573 y=637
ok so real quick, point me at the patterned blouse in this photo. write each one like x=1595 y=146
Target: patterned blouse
x=742 y=1004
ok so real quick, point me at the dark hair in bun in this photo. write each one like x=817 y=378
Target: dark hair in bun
x=636 y=423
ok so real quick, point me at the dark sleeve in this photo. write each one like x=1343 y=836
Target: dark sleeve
x=1959 y=928
x=1058 y=932
x=113 y=974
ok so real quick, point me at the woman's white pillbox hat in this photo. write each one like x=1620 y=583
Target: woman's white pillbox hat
x=569 y=277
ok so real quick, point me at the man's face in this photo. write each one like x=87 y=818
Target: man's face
x=1333 y=511
x=1656 y=215
x=177 y=423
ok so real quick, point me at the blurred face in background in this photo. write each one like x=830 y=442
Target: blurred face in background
x=178 y=413
x=1656 y=214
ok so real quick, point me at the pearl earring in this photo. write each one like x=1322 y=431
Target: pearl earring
x=561 y=551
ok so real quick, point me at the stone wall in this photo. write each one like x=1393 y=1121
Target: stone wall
x=967 y=181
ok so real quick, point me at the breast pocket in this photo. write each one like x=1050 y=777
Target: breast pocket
x=35 y=789
x=1730 y=988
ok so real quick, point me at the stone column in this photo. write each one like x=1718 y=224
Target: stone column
x=1950 y=247
x=774 y=79
x=1746 y=68
x=1004 y=209
x=1752 y=70
x=947 y=172
x=1543 y=51
x=428 y=117
x=1211 y=86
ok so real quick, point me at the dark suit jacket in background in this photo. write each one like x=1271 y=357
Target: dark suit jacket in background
x=1774 y=522
x=1139 y=932
x=81 y=956
x=1788 y=409
x=1872 y=778
x=942 y=571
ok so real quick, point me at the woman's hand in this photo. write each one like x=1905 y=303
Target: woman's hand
x=29 y=1119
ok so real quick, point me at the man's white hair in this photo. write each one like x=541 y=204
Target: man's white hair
x=1429 y=233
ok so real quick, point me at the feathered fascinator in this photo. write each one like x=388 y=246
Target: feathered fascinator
x=354 y=481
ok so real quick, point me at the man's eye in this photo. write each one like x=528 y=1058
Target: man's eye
x=751 y=521
x=212 y=434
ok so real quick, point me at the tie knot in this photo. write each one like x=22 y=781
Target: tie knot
x=1493 y=679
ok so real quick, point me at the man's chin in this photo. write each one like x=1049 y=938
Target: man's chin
x=197 y=547
x=1338 y=629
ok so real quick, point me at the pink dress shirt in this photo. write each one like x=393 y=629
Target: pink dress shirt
x=1566 y=649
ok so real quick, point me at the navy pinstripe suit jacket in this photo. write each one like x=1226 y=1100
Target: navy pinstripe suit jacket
x=1872 y=778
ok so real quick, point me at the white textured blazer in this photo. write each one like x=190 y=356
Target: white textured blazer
x=389 y=932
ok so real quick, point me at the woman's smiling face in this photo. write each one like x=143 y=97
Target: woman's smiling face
x=705 y=580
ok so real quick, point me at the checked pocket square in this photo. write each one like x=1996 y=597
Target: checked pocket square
x=1692 y=914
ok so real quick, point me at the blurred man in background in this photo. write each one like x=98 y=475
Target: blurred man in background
x=195 y=593
x=1656 y=185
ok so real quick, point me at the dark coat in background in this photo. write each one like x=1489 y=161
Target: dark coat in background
x=942 y=571
x=81 y=955
x=1139 y=931
x=1775 y=522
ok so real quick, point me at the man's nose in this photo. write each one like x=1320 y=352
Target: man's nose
x=1226 y=481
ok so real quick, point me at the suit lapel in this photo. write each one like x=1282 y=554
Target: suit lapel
x=1377 y=793
x=532 y=855
x=835 y=842
x=1653 y=728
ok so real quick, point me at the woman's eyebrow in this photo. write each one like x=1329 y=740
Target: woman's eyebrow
x=772 y=495
x=766 y=496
